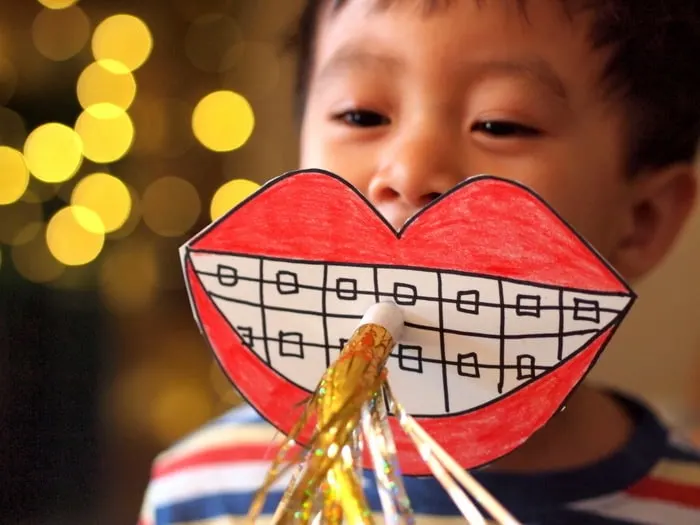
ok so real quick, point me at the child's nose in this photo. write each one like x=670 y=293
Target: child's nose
x=403 y=188
x=414 y=173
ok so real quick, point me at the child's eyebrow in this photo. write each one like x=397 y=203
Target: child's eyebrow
x=536 y=68
x=358 y=57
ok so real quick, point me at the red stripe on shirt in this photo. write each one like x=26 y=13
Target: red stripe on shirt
x=214 y=456
x=651 y=488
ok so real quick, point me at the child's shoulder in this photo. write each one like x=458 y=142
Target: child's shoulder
x=218 y=467
x=675 y=468
x=217 y=442
x=680 y=448
x=678 y=469
x=666 y=465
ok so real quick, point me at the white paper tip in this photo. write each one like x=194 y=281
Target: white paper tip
x=387 y=315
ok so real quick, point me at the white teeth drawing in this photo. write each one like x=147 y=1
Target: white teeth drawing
x=498 y=334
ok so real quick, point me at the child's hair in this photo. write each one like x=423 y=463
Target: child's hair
x=653 y=68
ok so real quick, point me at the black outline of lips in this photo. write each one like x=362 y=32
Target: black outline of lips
x=595 y=346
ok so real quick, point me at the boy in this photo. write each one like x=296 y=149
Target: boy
x=593 y=104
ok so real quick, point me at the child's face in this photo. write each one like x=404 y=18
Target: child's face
x=405 y=104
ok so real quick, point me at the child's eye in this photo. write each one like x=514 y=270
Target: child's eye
x=362 y=118
x=504 y=128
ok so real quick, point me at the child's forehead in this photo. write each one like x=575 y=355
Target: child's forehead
x=383 y=4
x=460 y=44
x=422 y=7
x=429 y=6
x=363 y=23
x=328 y=10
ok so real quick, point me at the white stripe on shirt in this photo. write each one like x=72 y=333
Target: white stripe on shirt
x=197 y=482
x=648 y=511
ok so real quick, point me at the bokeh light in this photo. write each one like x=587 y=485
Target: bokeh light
x=106 y=132
x=8 y=80
x=57 y=4
x=160 y=402
x=178 y=408
x=185 y=386
x=69 y=242
x=131 y=393
x=128 y=276
x=60 y=34
x=14 y=175
x=229 y=195
x=106 y=81
x=20 y=222
x=171 y=206
x=124 y=38
x=34 y=262
x=134 y=218
x=223 y=121
x=208 y=39
x=27 y=233
x=105 y=195
x=13 y=131
x=53 y=152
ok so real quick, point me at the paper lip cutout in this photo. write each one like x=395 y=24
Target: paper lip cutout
x=467 y=433
x=605 y=273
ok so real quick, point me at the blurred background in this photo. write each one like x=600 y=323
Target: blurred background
x=125 y=127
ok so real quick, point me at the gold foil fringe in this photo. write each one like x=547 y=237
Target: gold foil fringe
x=349 y=404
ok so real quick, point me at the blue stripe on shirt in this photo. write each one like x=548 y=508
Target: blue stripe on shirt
x=237 y=504
x=540 y=499
x=244 y=414
x=570 y=517
x=209 y=507
x=678 y=454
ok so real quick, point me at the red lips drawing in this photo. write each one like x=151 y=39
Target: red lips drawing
x=506 y=308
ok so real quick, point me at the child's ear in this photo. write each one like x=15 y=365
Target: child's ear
x=659 y=205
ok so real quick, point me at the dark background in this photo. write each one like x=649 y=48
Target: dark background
x=97 y=377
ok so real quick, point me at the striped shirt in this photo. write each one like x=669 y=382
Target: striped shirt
x=210 y=477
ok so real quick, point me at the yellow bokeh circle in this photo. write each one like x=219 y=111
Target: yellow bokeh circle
x=106 y=81
x=134 y=218
x=14 y=130
x=69 y=241
x=20 y=222
x=57 y=4
x=61 y=34
x=124 y=38
x=35 y=263
x=137 y=259
x=106 y=131
x=223 y=121
x=53 y=152
x=105 y=195
x=14 y=175
x=177 y=409
x=229 y=195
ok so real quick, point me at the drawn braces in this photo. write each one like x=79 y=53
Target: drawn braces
x=499 y=334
